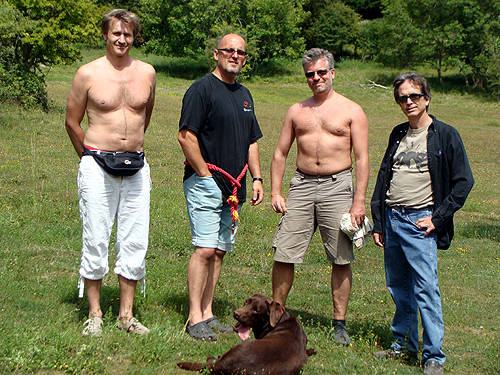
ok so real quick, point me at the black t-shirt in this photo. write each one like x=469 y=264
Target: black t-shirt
x=222 y=117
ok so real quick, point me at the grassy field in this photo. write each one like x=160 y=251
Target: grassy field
x=41 y=316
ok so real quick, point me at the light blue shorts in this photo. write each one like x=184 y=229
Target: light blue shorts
x=209 y=214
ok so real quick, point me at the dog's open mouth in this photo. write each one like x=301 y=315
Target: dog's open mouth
x=243 y=331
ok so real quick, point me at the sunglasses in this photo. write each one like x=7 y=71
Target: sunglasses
x=320 y=72
x=404 y=98
x=231 y=51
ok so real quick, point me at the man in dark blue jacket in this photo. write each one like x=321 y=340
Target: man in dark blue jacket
x=424 y=179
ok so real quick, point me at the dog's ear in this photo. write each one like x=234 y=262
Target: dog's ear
x=266 y=299
x=275 y=313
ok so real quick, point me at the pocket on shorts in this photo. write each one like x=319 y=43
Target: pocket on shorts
x=346 y=185
x=206 y=186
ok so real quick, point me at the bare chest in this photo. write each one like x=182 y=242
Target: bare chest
x=322 y=123
x=108 y=93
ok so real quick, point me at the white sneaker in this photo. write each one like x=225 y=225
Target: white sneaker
x=92 y=327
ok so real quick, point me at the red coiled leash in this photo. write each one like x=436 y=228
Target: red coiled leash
x=235 y=183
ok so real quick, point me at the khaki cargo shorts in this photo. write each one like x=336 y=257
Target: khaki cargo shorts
x=315 y=201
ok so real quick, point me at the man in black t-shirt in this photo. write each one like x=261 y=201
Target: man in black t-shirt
x=218 y=133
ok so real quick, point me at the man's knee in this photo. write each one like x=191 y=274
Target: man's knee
x=206 y=253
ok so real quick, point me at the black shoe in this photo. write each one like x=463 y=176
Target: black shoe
x=433 y=367
x=341 y=335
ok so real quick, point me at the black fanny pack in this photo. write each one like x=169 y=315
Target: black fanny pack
x=118 y=163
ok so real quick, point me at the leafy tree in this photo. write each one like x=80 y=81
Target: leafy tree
x=333 y=26
x=399 y=37
x=368 y=9
x=38 y=33
x=441 y=33
x=190 y=28
x=490 y=58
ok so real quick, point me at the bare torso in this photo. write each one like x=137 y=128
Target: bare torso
x=323 y=135
x=117 y=102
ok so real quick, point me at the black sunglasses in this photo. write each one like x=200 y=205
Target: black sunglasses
x=404 y=98
x=231 y=51
x=320 y=72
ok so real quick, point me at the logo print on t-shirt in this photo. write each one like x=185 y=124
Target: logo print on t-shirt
x=411 y=159
x=247 y=107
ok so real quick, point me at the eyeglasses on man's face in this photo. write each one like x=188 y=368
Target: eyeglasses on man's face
x=320 y=72
x=231 y=51
x=413 y=98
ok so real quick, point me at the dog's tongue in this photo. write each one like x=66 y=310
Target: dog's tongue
x=243 y=332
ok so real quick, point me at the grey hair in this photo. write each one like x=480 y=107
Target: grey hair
x=314 y=54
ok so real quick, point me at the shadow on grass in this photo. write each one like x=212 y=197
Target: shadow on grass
x=365 y=329
x=183 y=68
x=480 y=231
x=110 y=302
x=191 y=69
x=452 y=84
x=179 y=302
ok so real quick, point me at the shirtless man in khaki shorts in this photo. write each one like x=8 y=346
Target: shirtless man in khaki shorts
x=117 y=92
x=327 y=127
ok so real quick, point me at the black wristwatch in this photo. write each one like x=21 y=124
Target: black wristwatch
x=257 y=179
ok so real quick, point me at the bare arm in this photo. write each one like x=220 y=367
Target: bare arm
x=151 y=101
x=359 y=139
x=254 y=167
x=285 y=140
x=75 y=111
x=191 y=150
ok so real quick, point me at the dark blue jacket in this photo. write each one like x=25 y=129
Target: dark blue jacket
x=451 y=177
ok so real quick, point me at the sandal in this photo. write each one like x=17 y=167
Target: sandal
x=132 y=326
x=214 y=324
x=92 y=327
x=201 y=331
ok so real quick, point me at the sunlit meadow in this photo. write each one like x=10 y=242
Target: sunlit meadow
x=41 y=316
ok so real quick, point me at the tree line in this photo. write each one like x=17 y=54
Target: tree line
x=444 y=34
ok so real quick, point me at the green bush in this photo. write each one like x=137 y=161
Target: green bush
x=25 y=88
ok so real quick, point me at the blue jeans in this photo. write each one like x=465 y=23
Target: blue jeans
x=411 y=276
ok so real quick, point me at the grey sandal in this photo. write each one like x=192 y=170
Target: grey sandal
x=201 y=331
x=215 y=325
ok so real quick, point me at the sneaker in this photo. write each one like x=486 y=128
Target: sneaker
x=341 y=335
x=132 y=326
x=405 y=355
x=387 y=354
x=92 y=327
x=433 y=367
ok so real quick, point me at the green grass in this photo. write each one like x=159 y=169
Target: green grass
x=41 y=316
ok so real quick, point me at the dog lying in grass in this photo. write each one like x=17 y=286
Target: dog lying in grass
x=279 y=348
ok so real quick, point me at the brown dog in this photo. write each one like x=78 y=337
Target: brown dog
x=279 y=348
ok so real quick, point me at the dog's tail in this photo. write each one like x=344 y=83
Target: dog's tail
x=191 y=366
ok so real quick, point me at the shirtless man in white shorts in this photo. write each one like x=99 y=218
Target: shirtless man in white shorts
x=327 y=127
x=118 y=93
